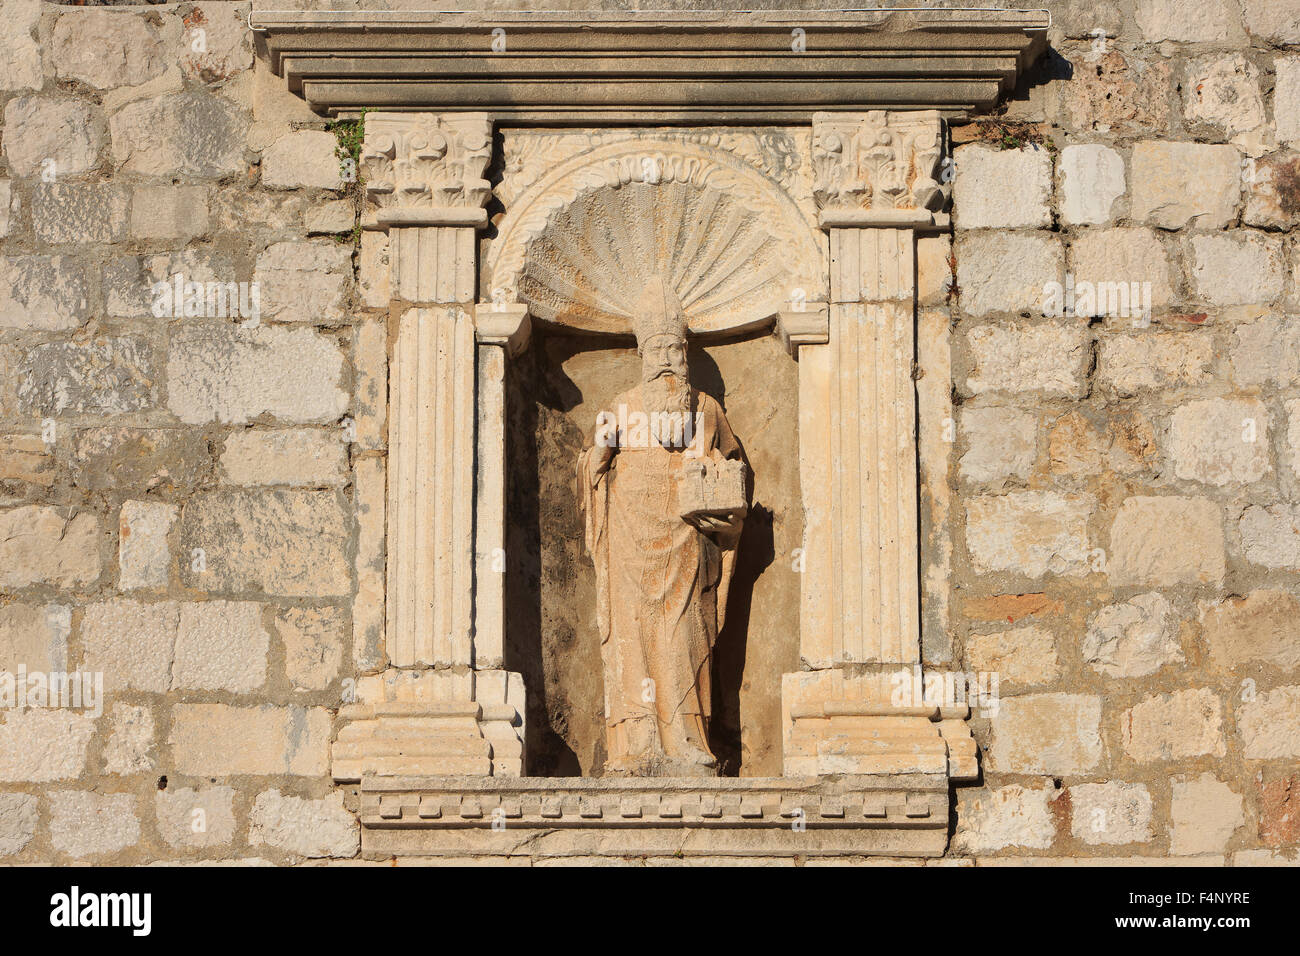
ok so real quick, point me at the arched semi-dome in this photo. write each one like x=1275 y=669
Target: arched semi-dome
x=579 y=245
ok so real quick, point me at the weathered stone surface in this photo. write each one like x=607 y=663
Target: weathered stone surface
x=1134 y=638
x=368 y=608
x=1266 y=352
x=1290 y=455
x=989 y=820
x=134 y=285
x=1054 y=734
x=301 y=457
x=20 y=54
x=217 y=43
x=310 y=828
x=1092 y=178
x=1279 y=811
x=1132 y=362
x=1077 y=449
x=1225 y=93
x=136 y=460
x=1159 y=542
x=1177 y=184
x=190 y=134
x=104 y=376
x=290 y=543
x=37 y=746
x=34 y=636
x=6 y=201
x=305 y=281
x=313 y=645
x=1111 y=260
x=210 y=740
x=1220 y=441
x=1023 y=657
x=1112 y=92
x=1286 y=99
x=89 y=212
x=1110 y=814
x=1204 y=814
x=1030 y=532
x=1271 y=535
x=106 y=49
x=169 y=212
x=44 y=293
x=1186 y=723
x=143 y=555
x=1001 y=189
x=1238 y=268
x=305 y=158
x=1001 y=443
x=196 y=819
x=27 y=458
x=1275 y=21
x=1188 y=21
x=331 y=218
x=85 y=824
x=127 y=750
x=275 y=110
x=51 y=136
x=222 y=373
x=370 y=359
x=1273 y=191
x=43 y=545
x=373 y=270
x=17 y=822
x=1006 y=272
x=132 y=643
x=1046 y=358
x=1269 y=725
x=221 y=645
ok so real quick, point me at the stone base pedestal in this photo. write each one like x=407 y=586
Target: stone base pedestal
x=837 y=723
x=432 y=722
x=539 y=817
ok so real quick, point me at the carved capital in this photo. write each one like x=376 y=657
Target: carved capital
x=879 y=161
x=427 y=166
x=811 y=326
x=503 y=324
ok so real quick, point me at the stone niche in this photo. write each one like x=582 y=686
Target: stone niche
x=776 y=192
x=554 y=393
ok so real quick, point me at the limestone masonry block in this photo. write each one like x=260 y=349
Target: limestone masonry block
x=995 y=819
x=1030 y=532
x=1110 y=814
x=1005 y=272
x=217 y=740
x=1004 y=189
x=1167 y=540
x=1181 y=184
x=1186 y=723
x=1054 y=734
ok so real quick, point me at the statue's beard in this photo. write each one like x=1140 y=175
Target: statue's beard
x=666 y=392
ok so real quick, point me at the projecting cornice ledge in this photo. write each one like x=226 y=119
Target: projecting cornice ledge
x=655 y=67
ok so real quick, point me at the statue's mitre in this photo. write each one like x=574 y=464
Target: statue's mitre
x=658 y=312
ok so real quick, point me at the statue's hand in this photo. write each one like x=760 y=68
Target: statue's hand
x=602 y=456
x=724 y=525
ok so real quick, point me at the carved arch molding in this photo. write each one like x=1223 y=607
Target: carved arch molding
x=775 y=185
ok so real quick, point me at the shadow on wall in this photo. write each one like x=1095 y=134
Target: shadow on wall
x=556 y=389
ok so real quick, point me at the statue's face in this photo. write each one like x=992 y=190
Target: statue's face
x=662 y=354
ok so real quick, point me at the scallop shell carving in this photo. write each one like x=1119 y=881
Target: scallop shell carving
x=731 y=243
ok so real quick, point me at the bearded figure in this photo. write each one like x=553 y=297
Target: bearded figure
x=664 y=498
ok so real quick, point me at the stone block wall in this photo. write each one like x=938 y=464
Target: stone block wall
x=191 y=499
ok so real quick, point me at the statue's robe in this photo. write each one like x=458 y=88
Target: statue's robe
x=661 y=583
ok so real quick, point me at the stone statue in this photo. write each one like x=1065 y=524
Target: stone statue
x=664 y=495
